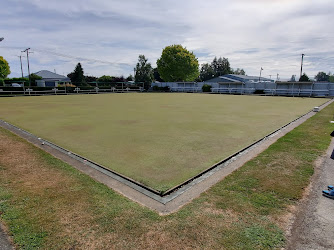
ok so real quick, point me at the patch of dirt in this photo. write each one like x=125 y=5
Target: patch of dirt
x=6 y=242
x=213 y=211
x=285 y=221
x=158 y=239
x=228 y=215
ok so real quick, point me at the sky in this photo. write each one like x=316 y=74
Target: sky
x=107 y=37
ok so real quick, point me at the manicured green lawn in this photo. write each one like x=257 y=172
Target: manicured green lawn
x=157 y=139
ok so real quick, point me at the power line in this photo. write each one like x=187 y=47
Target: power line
x=79 y=58
x=70 y=56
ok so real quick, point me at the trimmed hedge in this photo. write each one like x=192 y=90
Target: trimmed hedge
x=161 y=89
x=206 y=88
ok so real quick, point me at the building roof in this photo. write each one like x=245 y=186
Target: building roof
x=238 y=78
x=222 y=79
x=45 y=74
x=245 y=78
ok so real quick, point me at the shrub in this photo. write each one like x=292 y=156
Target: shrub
x=161 y=89
x=259 y=92
x=206 y=88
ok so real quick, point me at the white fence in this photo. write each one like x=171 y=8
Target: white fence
x=56 y=91
x=303 y=89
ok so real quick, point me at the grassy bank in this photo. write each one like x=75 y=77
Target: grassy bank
x=48 y=204
x=159 y=140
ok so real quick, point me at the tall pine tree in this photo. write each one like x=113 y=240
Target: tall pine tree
x=221 y=66
x=144 y=72
x=77 y=76
x=304 y=78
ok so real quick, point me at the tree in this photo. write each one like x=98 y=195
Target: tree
x=177 y=64
x=221 y=66
x=90 y=79
x=110 y=80
x=322 y=77
x=304 y=78
x=105 y=79
x=77 y=76
x=218 y=67
x=293 y=78
x=129 y=78
x=214 y=66
x=33 y=78
x=20 y=80
x=70 y=75
x=331 y=78
x=206 y=72
x=4 y=68
x=157 y=76
x=239 y=72
x=118 y=79
x=144 y=72
x=224 y=66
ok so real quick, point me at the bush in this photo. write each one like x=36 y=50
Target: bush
x=259 y=92
x=12 y=88
x=161 y=89
x=206 y=88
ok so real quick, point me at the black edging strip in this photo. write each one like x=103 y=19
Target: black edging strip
x=157 y=195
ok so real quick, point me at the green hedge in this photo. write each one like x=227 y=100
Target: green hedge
x=161 y=89
x=206 y=88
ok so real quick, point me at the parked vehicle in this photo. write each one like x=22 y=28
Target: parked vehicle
x=16 y=85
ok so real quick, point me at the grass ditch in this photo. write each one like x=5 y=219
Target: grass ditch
x=49 y=205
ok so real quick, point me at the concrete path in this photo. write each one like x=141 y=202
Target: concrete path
x=314 y=224
x=4 y=242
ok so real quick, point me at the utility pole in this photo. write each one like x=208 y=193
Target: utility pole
x=301 y=66
x=260 y=74
x=21 y=64
x=22 y=71
x=27 y=50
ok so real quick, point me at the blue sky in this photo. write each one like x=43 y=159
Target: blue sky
x=108 y=36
